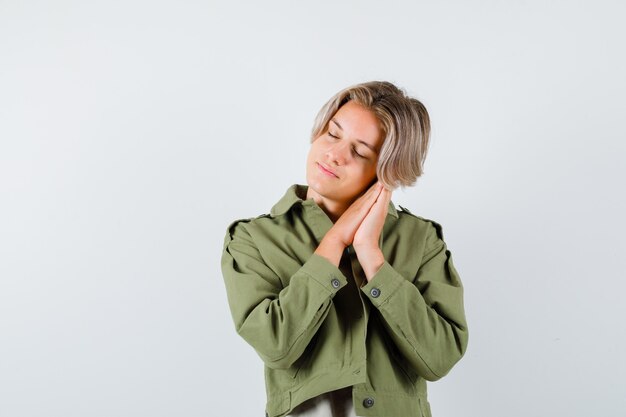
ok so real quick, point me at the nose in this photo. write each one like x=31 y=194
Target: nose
x=337 y=153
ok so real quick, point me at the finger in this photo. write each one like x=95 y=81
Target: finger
x=366 y=205
x=384 y=198
x=370 y=195
x=383 y=192
x=377 y=209
x=375 y=186
x=374 y=197
x=388 y=196
x=363 y=204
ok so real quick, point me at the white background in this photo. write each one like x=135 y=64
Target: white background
x=133 y=132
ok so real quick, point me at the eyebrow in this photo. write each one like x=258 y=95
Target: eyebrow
x=358 y=140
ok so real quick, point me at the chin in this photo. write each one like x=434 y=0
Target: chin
x=315 y=186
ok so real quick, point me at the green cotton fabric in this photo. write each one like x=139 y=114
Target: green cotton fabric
x=318 y=327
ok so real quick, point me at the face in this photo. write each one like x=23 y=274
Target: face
x=341 y=163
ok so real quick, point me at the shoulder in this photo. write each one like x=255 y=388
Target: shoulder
x=424 y=226
x=239 y=228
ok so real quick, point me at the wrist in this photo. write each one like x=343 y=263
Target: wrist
x=371 y=261
x=367 y=248
x=331 y=249
x=333 y=240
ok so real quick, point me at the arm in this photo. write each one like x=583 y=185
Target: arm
x=425 y=317
x=277 y=322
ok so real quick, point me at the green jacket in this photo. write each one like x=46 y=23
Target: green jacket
x=318 y=327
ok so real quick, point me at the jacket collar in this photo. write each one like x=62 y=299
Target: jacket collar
x=296 y=193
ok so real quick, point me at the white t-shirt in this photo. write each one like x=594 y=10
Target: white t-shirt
x=336 y=403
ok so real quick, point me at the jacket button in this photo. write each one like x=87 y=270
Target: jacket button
x=375 y=292
x=335 y=282
x=368 y=402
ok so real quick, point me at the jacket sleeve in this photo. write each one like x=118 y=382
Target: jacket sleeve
x=424 y=315
x=278 y=322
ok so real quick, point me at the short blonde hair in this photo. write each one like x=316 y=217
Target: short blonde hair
x=404 y=120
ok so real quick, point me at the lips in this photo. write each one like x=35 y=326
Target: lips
x=326 y=170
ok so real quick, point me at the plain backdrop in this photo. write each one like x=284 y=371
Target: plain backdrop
x=133 y=132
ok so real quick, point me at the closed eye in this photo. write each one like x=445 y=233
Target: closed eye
x=357 y=154
x=353 y=148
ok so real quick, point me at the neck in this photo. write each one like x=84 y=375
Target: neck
x=333 y=209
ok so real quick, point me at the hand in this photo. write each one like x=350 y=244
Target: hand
x=367 y=236
x=368 y=233
x=342 y=232
x=346 y=226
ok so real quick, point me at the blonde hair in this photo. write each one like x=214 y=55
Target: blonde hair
x=404 y=120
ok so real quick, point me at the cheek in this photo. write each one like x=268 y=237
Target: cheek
x=367 y=168
x=319 y=150
x=359 y=175
x=369 y=173
x=313 y=150
x=315 y=145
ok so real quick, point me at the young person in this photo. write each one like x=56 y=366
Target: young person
x=351 y=304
